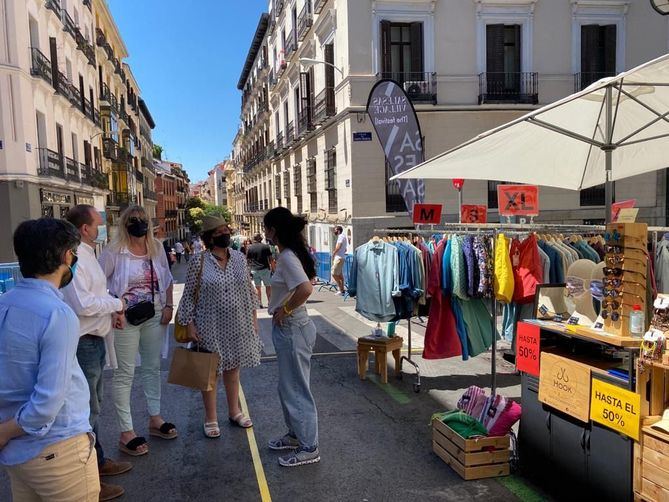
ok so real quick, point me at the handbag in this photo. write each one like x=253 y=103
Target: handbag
x=181 y=330
x=194 y=369
x=144 y=310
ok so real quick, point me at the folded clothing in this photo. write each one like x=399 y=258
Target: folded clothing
x=465 y=425
x=473 y=402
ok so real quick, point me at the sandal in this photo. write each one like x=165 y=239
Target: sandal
x=165 y=431
x=211 y=430
x=131 y=447
x=241 y=421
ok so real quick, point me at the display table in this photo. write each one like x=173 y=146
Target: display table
x=560 y=443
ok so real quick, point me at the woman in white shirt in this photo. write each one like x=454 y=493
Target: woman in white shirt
x=294 y=336
x=137 y=272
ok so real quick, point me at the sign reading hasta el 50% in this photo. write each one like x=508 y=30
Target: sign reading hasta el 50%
x=615 y=407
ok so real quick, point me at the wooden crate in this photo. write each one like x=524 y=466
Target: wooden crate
x=479 y=458
x=651 y=466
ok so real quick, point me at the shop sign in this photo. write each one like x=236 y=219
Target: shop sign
x=473 y=213
x=565 y=385
x=55 y=197
x=615 y=407
x=427 y=214
x=518 y=200
x=528 y=341
x=84 y=199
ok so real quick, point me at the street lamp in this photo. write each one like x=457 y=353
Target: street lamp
x=308 y=62
x=661 y=6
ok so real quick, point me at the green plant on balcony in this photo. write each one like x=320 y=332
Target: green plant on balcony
x=99 y=180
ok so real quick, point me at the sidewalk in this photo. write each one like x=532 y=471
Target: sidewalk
x=375 y=439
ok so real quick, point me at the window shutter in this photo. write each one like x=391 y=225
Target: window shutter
x=305 y=96
x=386 y=63
x=416 y=49
x=495 y=48
x=589 y=39
x=329 y=70
x=610 y=36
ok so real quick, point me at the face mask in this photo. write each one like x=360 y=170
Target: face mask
x=138 y=228
x=221 y=241
x=67 y=278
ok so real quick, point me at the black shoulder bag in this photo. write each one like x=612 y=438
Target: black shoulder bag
x=142 y=311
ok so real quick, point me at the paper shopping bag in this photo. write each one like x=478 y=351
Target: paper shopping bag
x=196 y=370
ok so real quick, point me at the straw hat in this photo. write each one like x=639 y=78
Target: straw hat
x=662 y=425
x=212 y=223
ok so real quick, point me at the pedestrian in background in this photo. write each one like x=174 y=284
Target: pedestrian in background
x=261 y=263
x=46 y=440
x=294 y=336
x=87 y=296
x=179 y=250
x=137 y=272
x=224 y=320
x=338 y=258
x=197 y=246
x=187 y=251
x=168 y=253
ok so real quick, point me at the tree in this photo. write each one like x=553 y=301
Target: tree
x=157 y=151
x=197 y=209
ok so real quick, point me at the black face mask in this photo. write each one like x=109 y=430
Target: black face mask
x=221 y=241
x=69 y=275
x=138 y=228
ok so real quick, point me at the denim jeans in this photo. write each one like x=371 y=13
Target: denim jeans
x=147 y=340
x=91 y=354
x=294 y=343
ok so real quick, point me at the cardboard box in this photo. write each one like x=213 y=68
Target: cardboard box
x=565 y=385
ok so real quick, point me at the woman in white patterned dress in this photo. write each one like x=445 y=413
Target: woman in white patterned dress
x=225 y=318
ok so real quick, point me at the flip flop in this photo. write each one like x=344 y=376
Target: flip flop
x=130 y=448
x=165 y=431
x=241 y=421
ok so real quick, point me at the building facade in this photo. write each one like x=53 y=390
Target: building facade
x=467 y=65
x=172 y=192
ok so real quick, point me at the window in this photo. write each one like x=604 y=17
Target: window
x=598 y=53
x=331 y=179
x=594 y=196
x=312 y=186
x=286 y=188
x=402 y=51
x=297 y=186
x=503 y=61
x=394 y=200
x=277 y=188
x=492 y=193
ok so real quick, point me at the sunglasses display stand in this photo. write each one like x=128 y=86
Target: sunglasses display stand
x=625 y=274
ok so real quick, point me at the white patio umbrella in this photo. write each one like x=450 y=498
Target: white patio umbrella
x=616 y=128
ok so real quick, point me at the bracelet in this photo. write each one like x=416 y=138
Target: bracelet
x=286 y=310
x=168 y=307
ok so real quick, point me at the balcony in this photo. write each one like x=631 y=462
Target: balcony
x=88 y=3
x=68 y=24
x=304 y=21
x=318 y=6
x=171 y=213
x=272 y=78
x=86 y=48
x=123 y=115
x=279 y=7
x=305 y=122
x=50 y=163
x=96 y=179
x=71 y=169
x=150 y=194
x=54 y=5
x=520 y=88
x=420 y=87
x=41 y=66
x=290 y=133
x=291 y=43
x=585 y=79
x=324 y=106
x=279 y=142
x=121 y=199
x=272 y=23
x=101 y=42
x=139 y=176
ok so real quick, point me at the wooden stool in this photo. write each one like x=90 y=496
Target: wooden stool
x=381 y=346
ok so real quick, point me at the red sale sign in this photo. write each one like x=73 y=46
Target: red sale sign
x=518 y=200
x=427 y=214
x=471 y=213
x=528 y=342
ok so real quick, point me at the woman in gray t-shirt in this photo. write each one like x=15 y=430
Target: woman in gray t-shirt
x=294 y=336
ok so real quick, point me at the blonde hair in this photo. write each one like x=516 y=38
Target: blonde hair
x=122 y=238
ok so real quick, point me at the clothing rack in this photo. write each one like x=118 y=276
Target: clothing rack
x=489 y=230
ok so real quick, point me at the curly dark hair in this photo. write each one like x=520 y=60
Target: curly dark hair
x=289 y=234
x=208 y=238
x=40 y=245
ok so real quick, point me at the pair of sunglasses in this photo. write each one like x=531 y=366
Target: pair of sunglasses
x=613 y=314
x=618 y=272
x=615 y=293
x=618 y=259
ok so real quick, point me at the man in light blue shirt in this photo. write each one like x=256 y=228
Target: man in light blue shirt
x=46 y=442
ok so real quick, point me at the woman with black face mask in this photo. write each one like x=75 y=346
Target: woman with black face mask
x=137 y=272
x=219 y=308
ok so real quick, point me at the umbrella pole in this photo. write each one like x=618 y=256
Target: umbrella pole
x=608 y=152
x=608 y=187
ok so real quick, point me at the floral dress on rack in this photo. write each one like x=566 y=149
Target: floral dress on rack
x=225 y=309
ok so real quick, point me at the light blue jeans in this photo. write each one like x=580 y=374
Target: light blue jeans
x=294 y=343
x=147 y=340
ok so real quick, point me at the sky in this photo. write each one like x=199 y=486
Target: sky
x=187 y=57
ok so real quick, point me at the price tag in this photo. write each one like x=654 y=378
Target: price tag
x=558 y=318
x=598 y=324
x=616 y=408
x=528 y=341
x=661 y=302
x=543 y=310
x=573 y=321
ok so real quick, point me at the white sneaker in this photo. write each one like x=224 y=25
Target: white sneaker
x=339 y=293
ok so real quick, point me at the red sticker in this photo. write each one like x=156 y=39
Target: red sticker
x=528 y=341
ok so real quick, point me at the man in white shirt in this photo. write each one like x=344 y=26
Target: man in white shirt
x=179 y=250
x=338 y=257
x=87 y=295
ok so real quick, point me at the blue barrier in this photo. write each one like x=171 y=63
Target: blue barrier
x=10 y=274
x=324 y=270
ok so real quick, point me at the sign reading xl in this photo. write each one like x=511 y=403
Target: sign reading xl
x=397 y=127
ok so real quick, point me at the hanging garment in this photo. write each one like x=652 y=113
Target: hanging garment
x=662 y=266
x=460 y=326
x=527 y=269
x=556 y=275
x=479 y=326
x=545 y=264
x=410 y=280
x=503 y=282
x=471 y=265
x=441 y=338
x=445 y=267
x=458 y=269
x=482 y=253
x=374 y=280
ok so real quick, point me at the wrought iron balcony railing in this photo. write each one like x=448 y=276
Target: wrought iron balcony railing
x=421 y=87
x=305 y=120
x=41 y=66
x=291 y=43
x=318 y=6
x=509 y=88
x=324 y=105
x=279 y=7
x=51 y=163
x=585 y=79
x=68 y=24
x=71 y=169
x=290 y=133
x=304 y=21
x=121 y=199
x=53 y=5
x=279 y=142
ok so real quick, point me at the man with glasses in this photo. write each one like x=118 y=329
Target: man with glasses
x=46 y=442
x=87 y=295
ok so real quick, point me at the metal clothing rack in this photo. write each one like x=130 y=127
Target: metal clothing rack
x=489 y=230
